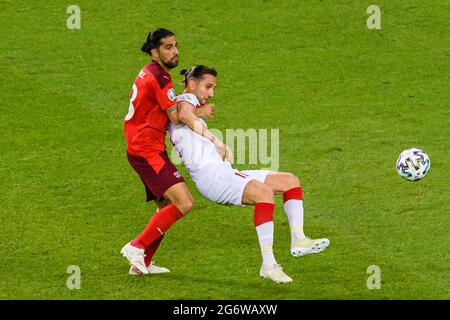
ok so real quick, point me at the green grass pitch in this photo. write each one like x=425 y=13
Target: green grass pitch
x=347 y=100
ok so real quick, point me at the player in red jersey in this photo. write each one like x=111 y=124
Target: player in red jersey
x=152 y=105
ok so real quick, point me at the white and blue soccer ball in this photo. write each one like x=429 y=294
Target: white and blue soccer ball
x=413 y=164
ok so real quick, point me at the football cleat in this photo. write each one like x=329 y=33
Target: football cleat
x=152 y=269
x=135 y=256
x=275 y=273
x=307 y=246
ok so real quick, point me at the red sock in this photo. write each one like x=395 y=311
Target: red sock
x=161 y=221
x=263 y=213
x=263 y=219
x=151 y=249
x=293 y=194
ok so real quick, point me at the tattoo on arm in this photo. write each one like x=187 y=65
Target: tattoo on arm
x=174 y=107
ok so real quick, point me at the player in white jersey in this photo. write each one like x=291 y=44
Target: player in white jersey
x=207 y=161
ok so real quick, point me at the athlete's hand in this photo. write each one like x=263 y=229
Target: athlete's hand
x=206 y=111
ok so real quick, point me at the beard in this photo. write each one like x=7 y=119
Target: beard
x=172 y=63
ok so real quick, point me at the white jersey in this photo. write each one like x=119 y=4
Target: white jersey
x=215 y=179
x=199 y=154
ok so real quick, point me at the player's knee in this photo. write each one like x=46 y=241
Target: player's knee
x=289 y=181
x=294 y=181
x=265 y=194
x=187 y=206
x=184 y=204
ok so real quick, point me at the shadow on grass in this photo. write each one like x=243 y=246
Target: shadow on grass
x=202 y=287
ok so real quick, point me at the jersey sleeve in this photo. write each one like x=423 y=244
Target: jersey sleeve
x=166 y=96
x=189 y=98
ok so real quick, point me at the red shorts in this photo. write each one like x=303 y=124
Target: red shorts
x=155 y=183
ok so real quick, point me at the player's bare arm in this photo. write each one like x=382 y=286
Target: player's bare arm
x=172 y=113
x=187 y=116
x=205 y=111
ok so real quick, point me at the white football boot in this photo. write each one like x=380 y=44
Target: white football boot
x=135 y=256
x=152 y=269
x=274 y=273
x=307 y=246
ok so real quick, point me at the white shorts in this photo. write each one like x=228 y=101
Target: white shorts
x=226 y=185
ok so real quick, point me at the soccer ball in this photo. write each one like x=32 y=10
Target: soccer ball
x=413 y=164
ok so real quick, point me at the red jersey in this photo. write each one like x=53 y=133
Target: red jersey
x=146 y=121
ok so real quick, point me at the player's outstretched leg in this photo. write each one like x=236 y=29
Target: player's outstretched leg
x=151 y=250
x=262 y=197
x=159 y=223
x=148 y=241
x=289 y=185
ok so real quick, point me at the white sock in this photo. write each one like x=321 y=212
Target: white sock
x=265 y=237
x=294 y=212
